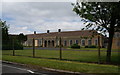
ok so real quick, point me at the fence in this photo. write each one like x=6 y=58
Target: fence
x=62 y=52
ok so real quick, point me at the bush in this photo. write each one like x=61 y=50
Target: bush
x=92 y=46
x=18 y=46
x=57 y=46
x=75 y=46
x=86 y=46
x=9 y=45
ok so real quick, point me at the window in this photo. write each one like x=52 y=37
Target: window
x=65 y=43
x=49 y=43
x=83 y=42
x=52 y=42
x=96 y=42
x=30 y=42
x=36 y=42
x=76 y=41
x=70 y=42
x=89 y=42
x=39 y=43
x=58 y=42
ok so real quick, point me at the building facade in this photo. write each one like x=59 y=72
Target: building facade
x=116 y=41
x=68 y=38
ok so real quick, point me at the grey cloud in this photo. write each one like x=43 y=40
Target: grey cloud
x=41 y=16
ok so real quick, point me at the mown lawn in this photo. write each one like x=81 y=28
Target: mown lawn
x=80 y=56
x=94 y=49
x=63 y=65
x=87 y=49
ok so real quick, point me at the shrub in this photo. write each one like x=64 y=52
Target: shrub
x=18 y=46
x=41 y=46
x=57 y=46
x=9 y=46
x=86 y=46
x=75 y=46
x=92 y=46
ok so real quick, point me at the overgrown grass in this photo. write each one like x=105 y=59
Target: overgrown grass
x=63 y=65
x=80 y=56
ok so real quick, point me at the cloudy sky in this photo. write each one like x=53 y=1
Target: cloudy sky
x=26 y=17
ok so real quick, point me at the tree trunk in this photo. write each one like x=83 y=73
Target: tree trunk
x=110 y=39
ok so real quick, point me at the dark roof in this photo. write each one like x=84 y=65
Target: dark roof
x=82 y=33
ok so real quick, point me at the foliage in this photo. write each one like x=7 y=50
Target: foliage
x=12 y=45
x=91 y=46
x=41 y=46
x=100 y=16
x=84 y=37
x=22 y=38
x=17 y=45
x=57 y=46
x=75 y=46
x=7 y=39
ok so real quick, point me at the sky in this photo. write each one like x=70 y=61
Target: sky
x=27 y=17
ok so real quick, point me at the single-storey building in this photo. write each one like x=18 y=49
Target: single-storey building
x=116 y=41
x=68 y=38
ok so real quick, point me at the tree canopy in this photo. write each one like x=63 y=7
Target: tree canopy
x=100 y=16
x=22 y=38
x=9 y=41
x=5 y=38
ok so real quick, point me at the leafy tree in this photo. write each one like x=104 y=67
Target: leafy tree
x=5 y=38
x=100 y=16
x=22 y=38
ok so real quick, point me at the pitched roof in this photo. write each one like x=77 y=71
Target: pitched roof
x=82 y=33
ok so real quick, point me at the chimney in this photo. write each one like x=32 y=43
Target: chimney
x=59 y=30
x=48 y=31
x=34 y=32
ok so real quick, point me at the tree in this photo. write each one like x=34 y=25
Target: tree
x=100 y=16
x=5 y=37
x=22 y=38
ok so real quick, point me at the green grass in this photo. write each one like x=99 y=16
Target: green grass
x=92 y=49
x=82 y=56
x=63 y=65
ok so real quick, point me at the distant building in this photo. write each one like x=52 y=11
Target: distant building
x=116 y=41
x=68 y=38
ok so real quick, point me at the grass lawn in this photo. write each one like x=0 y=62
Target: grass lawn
x=102 y=49
x=80 y=56
x=63 y=65
x=88 y=49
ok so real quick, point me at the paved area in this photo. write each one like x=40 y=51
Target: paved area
x=12 y=69
x=8 y=69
